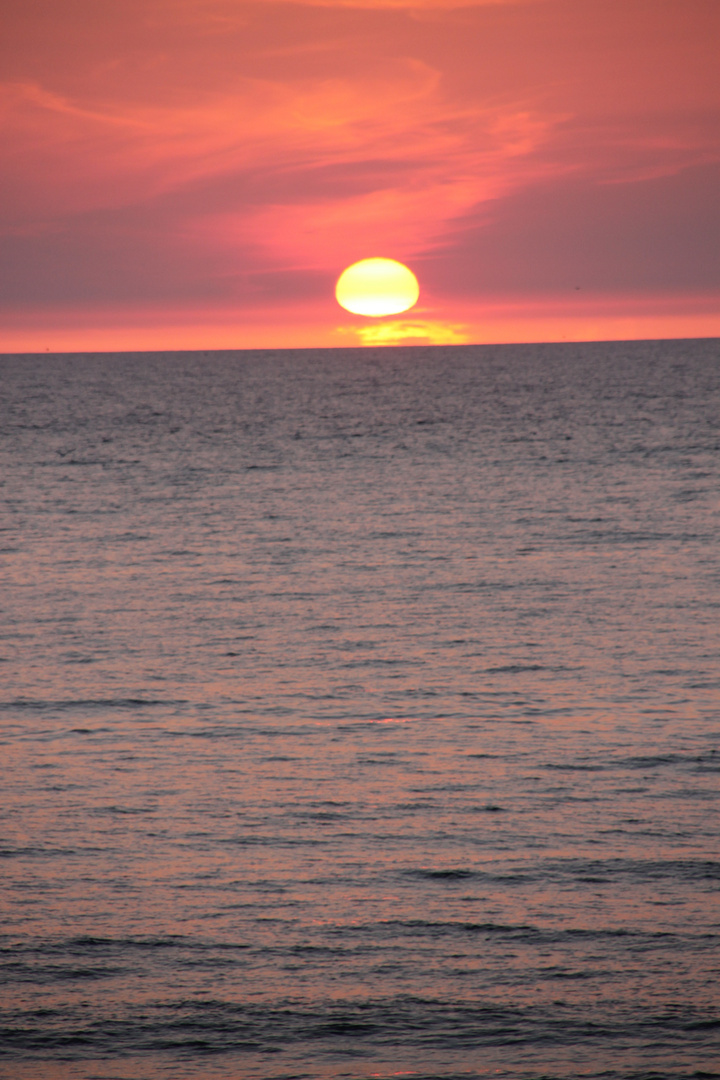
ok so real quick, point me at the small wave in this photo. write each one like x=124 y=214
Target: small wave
x=36 y=852
x=84 y=703
x=572 y=767
x=602 y=870
x=49 y=974
x=515 y=669
x=709 y=762
x=451 y=874
x=88 y=946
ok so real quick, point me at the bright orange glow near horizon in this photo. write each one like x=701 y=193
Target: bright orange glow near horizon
x=198 y=171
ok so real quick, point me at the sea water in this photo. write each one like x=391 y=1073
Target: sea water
x=360 y=713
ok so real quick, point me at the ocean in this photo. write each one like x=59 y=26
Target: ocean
x=360 y=714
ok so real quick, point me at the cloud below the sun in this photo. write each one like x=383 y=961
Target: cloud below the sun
x=408 y=332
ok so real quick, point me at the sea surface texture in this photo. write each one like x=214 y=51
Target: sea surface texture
x=361 y=714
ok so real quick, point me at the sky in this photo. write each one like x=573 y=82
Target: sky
x=197 y=173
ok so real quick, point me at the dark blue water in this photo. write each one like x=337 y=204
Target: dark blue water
x=360 y=713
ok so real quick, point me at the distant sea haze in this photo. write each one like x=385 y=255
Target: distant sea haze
x=360 y=714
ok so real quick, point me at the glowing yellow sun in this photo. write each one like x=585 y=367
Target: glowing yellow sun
x=377 y=287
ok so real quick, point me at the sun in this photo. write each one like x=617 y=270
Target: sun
x=377 y=287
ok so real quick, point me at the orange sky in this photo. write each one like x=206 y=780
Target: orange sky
x=196 y=173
